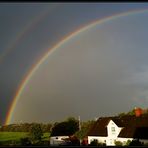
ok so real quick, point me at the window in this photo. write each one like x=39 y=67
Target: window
x=113 y=129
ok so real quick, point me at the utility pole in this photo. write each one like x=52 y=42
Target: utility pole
x=80 y=128
x=79 y=124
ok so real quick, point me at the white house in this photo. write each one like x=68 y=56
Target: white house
x=110 y=129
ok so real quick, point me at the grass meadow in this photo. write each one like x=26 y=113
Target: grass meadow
x=13 y=138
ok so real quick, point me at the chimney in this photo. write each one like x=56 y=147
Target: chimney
x=138 y=112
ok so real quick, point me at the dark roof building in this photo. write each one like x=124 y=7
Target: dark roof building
x=129 y=126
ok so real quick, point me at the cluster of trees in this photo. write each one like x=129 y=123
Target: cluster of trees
x=85 y=127
x=68 y=127
x=25 y=127
x=72 y=127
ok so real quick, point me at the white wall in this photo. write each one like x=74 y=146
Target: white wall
x=113 y=134
x=113 y=131
x=56 y=140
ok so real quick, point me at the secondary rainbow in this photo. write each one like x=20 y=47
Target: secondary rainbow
x=59 y=44
x=28 y=27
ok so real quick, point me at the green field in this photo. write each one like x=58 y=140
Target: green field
x=7 y=136
x=15 y=137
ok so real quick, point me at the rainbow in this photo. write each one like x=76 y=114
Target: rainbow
x=58 y=45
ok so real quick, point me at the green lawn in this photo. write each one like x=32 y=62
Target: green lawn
x=7 y=136
x=14 y=137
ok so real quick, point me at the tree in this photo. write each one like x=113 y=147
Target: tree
x=72 y=125
x=36 y=133
x=85 y=126
x=121 y=114
x=132 y=112
x=68 y=127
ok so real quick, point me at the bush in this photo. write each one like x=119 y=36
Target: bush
x=94 y=142
x=84 y=142
x=25 y=141
x=13 y=143
x=128 y=142
x=74 y=141
x=136 y=143
x=101 y=144
x=118 y=143
x=145 y=144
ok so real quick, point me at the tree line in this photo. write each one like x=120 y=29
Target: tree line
x=25 y=127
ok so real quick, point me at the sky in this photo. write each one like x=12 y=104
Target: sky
x=100 y=71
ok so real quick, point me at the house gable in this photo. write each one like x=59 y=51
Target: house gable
x=112 y=129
